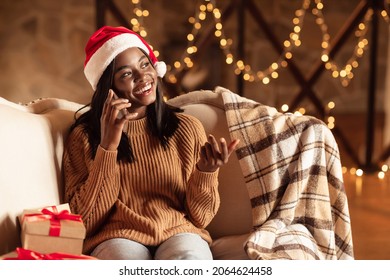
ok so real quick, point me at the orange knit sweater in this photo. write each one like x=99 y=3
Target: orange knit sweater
x=159 y=195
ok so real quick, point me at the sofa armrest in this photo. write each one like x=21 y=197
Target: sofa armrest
x=31 y=147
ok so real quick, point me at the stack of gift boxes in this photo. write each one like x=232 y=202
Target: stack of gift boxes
x=50 y=233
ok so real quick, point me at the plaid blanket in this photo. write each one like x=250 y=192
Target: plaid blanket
x=293 y=174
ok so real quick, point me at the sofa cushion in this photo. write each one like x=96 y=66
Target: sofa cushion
x=230 y=247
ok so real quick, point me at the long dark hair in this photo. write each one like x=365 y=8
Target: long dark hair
x=162 y=120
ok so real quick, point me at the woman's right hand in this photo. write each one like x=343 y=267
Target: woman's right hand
x=111 y=126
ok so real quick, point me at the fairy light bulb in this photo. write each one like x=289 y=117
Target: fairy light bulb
x=284 y=108
x=302 y=111
x=359 y=172
x=274 y=75
x=381 y=175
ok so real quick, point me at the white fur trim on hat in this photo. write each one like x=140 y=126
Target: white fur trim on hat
x=161 y=68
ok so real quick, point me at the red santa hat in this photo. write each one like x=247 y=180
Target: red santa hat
x=106 y=43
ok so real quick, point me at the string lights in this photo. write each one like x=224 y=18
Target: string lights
x=240 y=67
x=385 y=12
x=344 y=73
x=271 y=72
x=137 y=21
x=359 y=172
x=385 y=16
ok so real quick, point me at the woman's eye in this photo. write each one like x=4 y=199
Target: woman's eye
x=126 y=74
x=145 y=64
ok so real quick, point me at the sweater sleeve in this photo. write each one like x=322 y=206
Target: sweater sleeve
x=202 y=196
x=91 y=185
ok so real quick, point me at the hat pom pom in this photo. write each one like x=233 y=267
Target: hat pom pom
x=161 y=68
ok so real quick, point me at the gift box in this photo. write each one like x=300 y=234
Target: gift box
x=24 y=254
x=52 y=229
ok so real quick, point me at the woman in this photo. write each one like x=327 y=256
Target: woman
x=142 y=174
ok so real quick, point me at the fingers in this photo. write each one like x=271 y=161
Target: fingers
x=225 y=152
x=203 y=154
x=227 y=149
x=213 y=147
x=214 y=154
x=219 y=151
x=116 y=108
x=107 y=102
x=233 y=145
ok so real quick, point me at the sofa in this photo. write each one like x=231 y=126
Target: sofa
x=31 y=148
x=282 y=192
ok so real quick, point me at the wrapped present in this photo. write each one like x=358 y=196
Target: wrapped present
x=52 y=229
x=24 y=254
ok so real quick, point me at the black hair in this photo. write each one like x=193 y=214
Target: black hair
x=162 y=121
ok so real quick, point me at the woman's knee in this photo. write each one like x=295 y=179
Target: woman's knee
x=121 y=249
x=184 y=246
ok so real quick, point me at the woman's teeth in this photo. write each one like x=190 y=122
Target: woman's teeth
x=144 y=89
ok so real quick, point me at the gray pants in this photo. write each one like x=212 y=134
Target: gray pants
x=183 y=246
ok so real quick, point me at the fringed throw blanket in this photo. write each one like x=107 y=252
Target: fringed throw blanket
x=293 y=174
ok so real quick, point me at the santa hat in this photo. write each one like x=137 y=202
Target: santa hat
x=106 y=43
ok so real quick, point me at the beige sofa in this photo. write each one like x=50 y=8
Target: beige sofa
x=31 y=147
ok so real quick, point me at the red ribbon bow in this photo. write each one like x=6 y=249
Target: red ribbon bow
x=54 y=217
x=24 y=254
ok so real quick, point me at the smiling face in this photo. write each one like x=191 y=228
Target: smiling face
x=135 y=79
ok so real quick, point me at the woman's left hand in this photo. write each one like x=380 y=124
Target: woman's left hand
x=213 y=154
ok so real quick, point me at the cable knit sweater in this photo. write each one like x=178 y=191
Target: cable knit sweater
x=159 y=195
